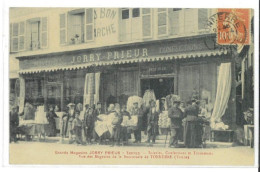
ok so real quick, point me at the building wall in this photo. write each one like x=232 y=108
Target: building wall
x=110 y=27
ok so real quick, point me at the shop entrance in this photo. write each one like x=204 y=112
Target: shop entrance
x=54 y=95
x=161 y=86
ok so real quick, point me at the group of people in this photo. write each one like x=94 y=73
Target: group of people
x=185 y=123
x=72 y=126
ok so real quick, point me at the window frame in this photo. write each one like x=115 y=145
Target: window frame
x=151 y=22
x=167 y=22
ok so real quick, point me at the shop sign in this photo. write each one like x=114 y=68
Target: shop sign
x=54 y=78
x=158 y=69
x=106 y=25
x=134 y=51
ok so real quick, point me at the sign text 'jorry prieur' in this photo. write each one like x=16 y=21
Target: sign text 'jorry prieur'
x=110 y=55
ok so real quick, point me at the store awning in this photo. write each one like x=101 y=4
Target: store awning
x=126 y=61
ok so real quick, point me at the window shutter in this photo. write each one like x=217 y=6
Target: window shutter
x=189 y=22
x=202 y=18
x=175 y=22
x=10 y=36
x=146 y=23
x=63 y=28
x=21 y=38
x=44 y=32
x=15 y=34
x=89 y=24
x=162 y=21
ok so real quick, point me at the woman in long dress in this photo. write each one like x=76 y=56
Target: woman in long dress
x=192 y=127
x=51 y=115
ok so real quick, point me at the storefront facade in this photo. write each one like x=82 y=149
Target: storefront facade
x=178 y=66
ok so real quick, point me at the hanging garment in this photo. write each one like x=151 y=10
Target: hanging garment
x=223 y=93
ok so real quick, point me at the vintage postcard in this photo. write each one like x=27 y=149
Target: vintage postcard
x=131 y=86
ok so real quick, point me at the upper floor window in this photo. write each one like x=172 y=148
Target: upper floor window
x=182 y=21
x=135 y=24
x=162 y=21
x=130 y=24
x=77 y=26
x=31 y=34
x=34 y=35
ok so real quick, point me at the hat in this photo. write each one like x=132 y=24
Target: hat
x=193 y=100
x=163 y=98
x=176 y=101
x=251 y=109
x=70 y=104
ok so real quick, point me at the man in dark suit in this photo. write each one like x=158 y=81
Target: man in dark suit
x=14 y=123
x=136 y=111
x=89 y=122
x=152 y=122
x=176 y=115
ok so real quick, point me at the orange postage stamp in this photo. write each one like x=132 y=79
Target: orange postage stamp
x=233 y=26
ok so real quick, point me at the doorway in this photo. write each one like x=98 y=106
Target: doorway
x=161 y=86
x=54 y=95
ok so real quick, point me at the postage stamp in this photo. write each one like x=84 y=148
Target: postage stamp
x=233 y=26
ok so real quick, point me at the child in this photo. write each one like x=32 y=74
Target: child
x=116 y=126
x=77 y=127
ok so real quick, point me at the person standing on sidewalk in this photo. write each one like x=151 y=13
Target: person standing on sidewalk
x=89 y=122
x=136 y=111
x=51 y=115
x=14 y=123
x=116 y=122
x=124 y=133
x=176 y=116
x=66 y=122
x=152 y=122
x=77 y=128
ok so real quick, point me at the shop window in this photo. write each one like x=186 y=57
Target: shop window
x=74 y=83
x=77 y=26
x=162 y=21
x=34 y=90
x=130 y=24
x=198 y=79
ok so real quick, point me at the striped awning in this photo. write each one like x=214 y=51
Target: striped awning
x=125 y=61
